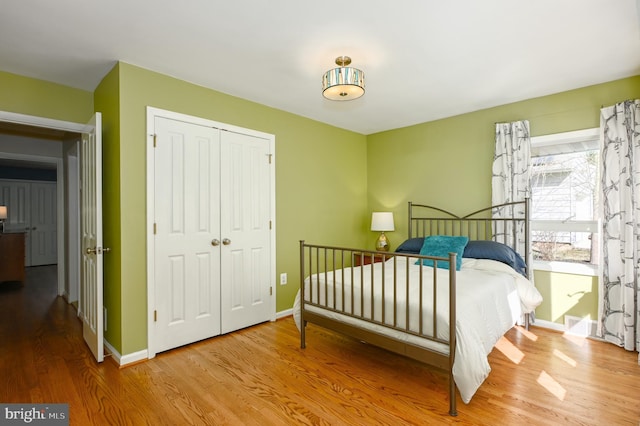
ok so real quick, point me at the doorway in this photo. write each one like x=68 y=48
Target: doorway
x=71 y=135
x=39 y=144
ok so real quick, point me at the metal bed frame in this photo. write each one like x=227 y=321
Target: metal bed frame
x=329 y=262
x=479 y=225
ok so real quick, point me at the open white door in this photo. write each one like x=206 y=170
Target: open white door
x=91 y=298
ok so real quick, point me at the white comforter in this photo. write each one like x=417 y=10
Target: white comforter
x=491 y=297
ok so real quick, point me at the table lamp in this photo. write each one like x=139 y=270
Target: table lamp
x=3 y=217
x=382 y=221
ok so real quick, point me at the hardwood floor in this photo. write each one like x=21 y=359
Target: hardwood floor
x=260 y=376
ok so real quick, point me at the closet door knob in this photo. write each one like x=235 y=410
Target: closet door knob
x=226 y=241
x=215 y=242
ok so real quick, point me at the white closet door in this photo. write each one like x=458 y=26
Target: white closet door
x=187 y=221
x=44 y=236
x=15 y=195
x=245 y=215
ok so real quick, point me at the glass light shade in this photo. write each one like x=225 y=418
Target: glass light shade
x=382 y=221
x=343 y=84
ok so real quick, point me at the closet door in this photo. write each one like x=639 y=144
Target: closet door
x=245 y=230
x=44 y=235
x=187 y=222
x=16 y=196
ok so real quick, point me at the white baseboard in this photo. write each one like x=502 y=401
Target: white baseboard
x=561 y=328
x=123 y=360
x=284 y=314
x=112 y=352
x=142 y=355
x=548 y=324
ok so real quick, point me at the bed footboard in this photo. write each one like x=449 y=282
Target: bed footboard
x=381 y=303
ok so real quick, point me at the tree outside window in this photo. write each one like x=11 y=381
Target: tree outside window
x=564 y=206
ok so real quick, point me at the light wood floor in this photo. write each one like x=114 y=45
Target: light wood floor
x=260 y=376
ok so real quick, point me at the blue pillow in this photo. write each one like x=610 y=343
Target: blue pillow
x=412 y=246
x=496 y=251
x=441 y=246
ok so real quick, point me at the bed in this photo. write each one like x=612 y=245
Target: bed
x=445 y=296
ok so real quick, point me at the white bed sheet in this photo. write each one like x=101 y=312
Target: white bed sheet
x=491 y=297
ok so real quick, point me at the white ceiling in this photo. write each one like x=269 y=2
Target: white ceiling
x=423 y=59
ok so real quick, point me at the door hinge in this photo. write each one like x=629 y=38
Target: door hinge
x=270 y=291
x=270 y=155
x=155 y=139
x=155 y=316
x=155 y=229
x=270 y=225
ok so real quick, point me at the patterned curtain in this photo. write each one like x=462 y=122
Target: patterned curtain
x=511 y=179
x=620 y=179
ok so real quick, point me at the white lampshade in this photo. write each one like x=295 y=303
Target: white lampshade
x=382 y=221
x=3 y=212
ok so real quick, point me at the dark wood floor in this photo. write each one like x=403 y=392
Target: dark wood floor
x=260 y=376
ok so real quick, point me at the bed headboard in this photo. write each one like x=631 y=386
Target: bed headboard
x=506 y=223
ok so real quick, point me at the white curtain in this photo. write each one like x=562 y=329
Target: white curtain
x=620 y=186
x=511 y=179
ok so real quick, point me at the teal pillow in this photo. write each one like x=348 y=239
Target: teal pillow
x=441 y=246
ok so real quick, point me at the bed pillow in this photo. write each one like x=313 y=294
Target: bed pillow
x=412 y=246
x=441 y=246
x=496 y=251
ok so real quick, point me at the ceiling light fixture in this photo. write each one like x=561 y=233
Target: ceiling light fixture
x=343 y=83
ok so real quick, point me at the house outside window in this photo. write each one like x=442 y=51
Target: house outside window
x=564 y=201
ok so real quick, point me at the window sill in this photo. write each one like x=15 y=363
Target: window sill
x=566 y=268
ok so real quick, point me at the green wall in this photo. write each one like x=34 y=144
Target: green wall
x=320 y=183
x=566 y=294
x=40 y=98
x=448 y=162
x=328 y=180
x=107 y=102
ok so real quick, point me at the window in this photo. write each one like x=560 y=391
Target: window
x=564 y=197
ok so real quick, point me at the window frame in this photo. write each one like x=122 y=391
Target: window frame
x=592 y=226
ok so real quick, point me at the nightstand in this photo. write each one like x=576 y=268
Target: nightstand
x=12 y=257
x=360 y=259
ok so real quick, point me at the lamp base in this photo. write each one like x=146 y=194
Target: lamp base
x=382 y=244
